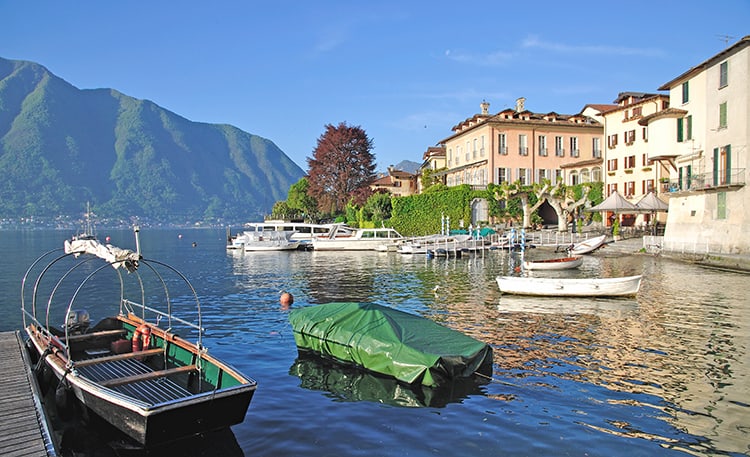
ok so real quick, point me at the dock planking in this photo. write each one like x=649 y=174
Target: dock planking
x=23 y=425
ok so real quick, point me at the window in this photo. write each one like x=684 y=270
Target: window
x=629 y=162
x=689 y=127
x=481 y=147
x=559 y=149
x=645 y=134
x=685 y=92
x=458 y=155
x=573 y=178
x=523 y=146
x=596 y=174
x=721 y=205
x=523 y=176
x=542 y=174
x=722 y=165
x=723 y=115
x=648 y=186
x=723 y=74
x=597 y=147
x=542 y=145
x=630 y=137
x=612 y=165
x=502 y=144
x=644 y=160
x=680 y=135
x=450 y=157
x=612 y=141
x=574 y=146
x=503 y=175
x=637 y=111
x=474 y=150
x=468 y=151
x=558 y=176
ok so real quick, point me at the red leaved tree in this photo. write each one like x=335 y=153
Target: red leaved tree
x=342 y=167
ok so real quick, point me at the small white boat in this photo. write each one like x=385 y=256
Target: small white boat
x=367 y=239
x=421 y=245
x=563 y=263
x=570 y=287
x=590 y=245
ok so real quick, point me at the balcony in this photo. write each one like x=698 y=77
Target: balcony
x=705 y=182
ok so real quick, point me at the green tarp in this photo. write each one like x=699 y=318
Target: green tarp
x=407 y=347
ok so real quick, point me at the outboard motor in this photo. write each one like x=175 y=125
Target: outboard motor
x=78 y=321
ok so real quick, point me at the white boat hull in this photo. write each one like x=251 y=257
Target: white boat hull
x=570 y=287
x=590 y=245
x=554 y=264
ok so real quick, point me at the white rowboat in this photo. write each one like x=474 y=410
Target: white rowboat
x=563 y=263
x=590 y=245
x=570 y=287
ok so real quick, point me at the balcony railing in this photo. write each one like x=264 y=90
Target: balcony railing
x=705 y=182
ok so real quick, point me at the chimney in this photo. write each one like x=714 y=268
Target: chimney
x=485 y=107
x=519 y=104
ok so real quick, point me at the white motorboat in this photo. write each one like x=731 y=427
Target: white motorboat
x=269 y=241
x=365 y=239
x=421 y=245
x=587 y=246
x=302 y=232
x=570 y=287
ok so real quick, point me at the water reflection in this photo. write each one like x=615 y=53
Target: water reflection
x=348 y=383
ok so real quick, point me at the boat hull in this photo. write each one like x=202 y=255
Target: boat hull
x=565 y=263
x=588 y=246
x=570 y=287
x=149 y=424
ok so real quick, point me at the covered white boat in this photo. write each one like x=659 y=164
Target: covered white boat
x=563 y=263
x=301 y=232
x=366 y=239
x=587 y=246
x=570 y=287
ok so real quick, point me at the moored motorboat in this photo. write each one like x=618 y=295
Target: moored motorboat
x=573 y=287
x=563 y=263
x=587 y=246
x=362 y=239
x=131 y=368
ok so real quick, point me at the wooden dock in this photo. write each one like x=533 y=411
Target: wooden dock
x=23 y=423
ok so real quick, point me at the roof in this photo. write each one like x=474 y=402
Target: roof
x=669 y=112
x=738 y=46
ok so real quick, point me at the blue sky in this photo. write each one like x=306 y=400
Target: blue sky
x=406 y=72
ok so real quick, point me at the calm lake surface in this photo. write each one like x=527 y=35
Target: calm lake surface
x=665 y=373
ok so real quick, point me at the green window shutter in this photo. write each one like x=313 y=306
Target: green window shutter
x=723 y=115
x=729 y=164
x=685 y=92
x=679 y=130
x=689 y=128
x=716 y=166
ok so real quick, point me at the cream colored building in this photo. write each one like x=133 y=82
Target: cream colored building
x=520 y=145
x=628 y=168
x=433 y=160
x=703 y=138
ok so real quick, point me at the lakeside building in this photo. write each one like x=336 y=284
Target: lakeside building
x=398 y=182
x=433 y=161
x=519 y=145
x=630 y=170
x=703 y=140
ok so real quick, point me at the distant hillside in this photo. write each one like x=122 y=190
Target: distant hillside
x=61 y=147
x=408 y=166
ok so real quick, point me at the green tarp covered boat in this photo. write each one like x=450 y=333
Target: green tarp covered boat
x=383 y=340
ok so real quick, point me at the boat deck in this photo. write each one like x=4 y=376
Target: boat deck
x=23 y=424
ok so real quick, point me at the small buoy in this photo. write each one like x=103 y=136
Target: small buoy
x=195 y=244
x=286 y=300
x=179 y=236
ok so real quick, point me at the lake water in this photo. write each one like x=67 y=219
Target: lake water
x=665 y=373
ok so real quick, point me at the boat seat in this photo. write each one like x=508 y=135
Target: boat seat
x=112 y=358
x=147 y=376
x=100 y=334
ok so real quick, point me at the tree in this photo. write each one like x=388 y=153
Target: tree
x=341 y=165
x=299 y=199
x=507 y=192
x=563 y=200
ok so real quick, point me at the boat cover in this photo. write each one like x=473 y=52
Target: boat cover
x=381 y=339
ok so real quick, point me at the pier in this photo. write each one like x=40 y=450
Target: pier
x=23 y=423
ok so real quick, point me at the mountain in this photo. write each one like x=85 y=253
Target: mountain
x=61 y=146
x=408 y=166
